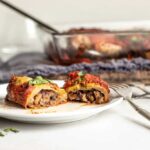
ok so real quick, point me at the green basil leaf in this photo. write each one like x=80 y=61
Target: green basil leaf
x=11 y=129
x=81 y=73
x=1 y=134
x=38 y=80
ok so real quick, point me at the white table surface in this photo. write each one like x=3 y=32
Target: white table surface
x=119 y=128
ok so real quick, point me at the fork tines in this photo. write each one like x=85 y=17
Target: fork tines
x=118 y=85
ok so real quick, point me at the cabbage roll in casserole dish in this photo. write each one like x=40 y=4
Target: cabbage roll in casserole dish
x=34 y=93
x=86 y=88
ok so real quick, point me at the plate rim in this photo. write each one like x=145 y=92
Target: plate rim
x=73 y=113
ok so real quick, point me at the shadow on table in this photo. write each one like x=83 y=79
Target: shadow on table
x=4 y=123
x=137 y=122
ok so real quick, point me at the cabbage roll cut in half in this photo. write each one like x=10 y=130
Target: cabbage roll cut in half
x=34 y=92
x=86 y=88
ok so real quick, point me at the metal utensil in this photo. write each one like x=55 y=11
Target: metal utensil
x=125 y=91
x=25 y=14
x=140 y=86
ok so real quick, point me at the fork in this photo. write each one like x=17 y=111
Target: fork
x=140 y=86
x=125 y=91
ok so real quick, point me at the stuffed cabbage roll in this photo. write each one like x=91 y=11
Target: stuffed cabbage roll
x=86 y=88
x=34 y=92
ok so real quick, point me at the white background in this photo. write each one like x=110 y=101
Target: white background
x=14 y=31
x=72 y=11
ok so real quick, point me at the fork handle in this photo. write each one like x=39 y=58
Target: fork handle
x=140 y=110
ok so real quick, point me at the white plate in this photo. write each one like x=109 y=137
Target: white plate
x=58 y=114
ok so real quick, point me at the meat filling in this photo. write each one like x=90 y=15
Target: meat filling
x=92 y=96
x=44 y=98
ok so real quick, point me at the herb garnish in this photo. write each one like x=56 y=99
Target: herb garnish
x=80 y=73
x=6 y=130
x=38 y=80
x=135 y=39
x=1 y=134
x=11 y=129
x=81 y=76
